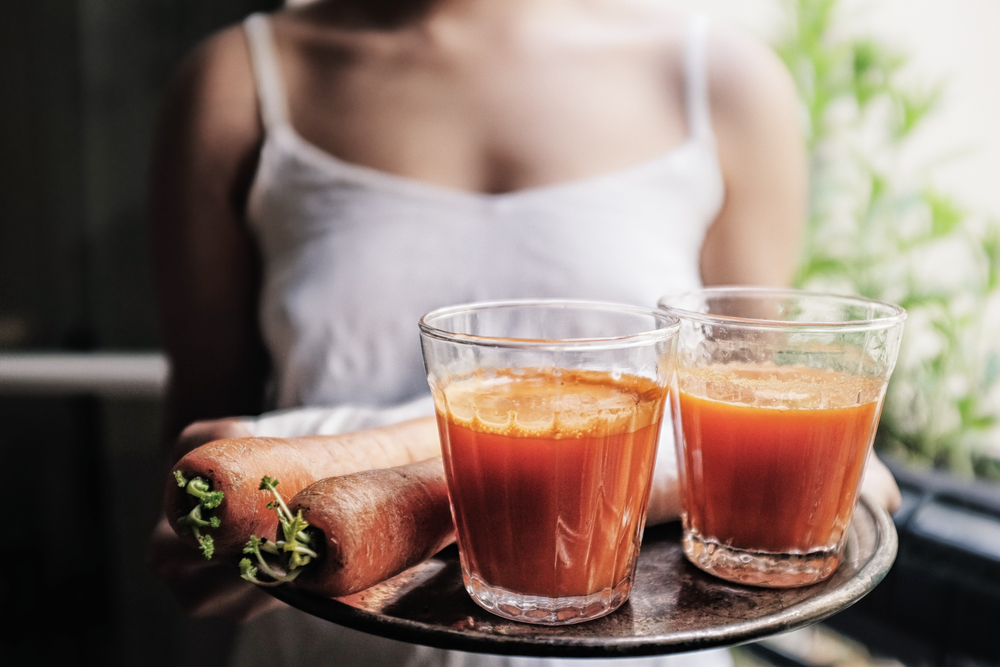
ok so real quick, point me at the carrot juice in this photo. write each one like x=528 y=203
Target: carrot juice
x=772 y=457
x=549 y=474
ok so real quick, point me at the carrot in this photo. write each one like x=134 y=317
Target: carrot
x=342 y=535
x=213 y=497
x=345 y=534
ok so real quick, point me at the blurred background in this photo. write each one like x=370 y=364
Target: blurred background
x=900 y=101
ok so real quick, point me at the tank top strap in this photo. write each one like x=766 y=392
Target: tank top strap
x=267 y=75
x=699 y=115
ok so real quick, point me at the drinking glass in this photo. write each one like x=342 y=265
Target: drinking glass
x=779 y=395
x=549 y=414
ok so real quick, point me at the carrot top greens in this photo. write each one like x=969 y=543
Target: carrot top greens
x=294 y=551
x=206 y=499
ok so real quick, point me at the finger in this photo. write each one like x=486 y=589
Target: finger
x=200 y=433
x=881 y=486
x=203 y=588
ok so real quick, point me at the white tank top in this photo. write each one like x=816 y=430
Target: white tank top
x=353 y=256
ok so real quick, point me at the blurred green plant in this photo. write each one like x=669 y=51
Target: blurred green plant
x=879 y=229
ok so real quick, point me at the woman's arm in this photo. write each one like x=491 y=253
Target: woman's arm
x=755 y=114
x=207 y=273
x=207 y=269
x=756 y=239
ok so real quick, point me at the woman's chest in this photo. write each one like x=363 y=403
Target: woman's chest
x=494 y=125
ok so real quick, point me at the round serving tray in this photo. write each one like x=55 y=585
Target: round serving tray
x=674 y=607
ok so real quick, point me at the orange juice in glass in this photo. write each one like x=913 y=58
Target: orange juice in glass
x=779 y=397
x=549 y=415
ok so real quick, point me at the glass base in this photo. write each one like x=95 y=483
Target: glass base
x=547 y=611
x=761 y=568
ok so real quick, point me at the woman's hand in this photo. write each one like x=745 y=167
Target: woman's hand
x=200 y=433
x=880 y=485
x=202 y=587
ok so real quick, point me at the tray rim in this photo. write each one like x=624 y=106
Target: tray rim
x=797 y=615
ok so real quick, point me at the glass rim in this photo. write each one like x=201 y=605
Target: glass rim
x=640 y=338
x=891 y=314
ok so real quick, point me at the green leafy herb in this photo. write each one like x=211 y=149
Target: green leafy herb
x=290 y=554
x=193 y=521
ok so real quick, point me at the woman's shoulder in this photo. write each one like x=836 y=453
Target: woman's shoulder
x=738 y=64
x=746 y=77
x=208 y=132
x=213 y=94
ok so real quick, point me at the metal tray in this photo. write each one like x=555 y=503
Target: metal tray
x=674 y=606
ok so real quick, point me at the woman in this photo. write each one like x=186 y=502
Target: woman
x=324 y=176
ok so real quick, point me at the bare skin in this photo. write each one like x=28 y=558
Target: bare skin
x=475 y=95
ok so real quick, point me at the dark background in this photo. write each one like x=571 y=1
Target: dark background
x=80 y=82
